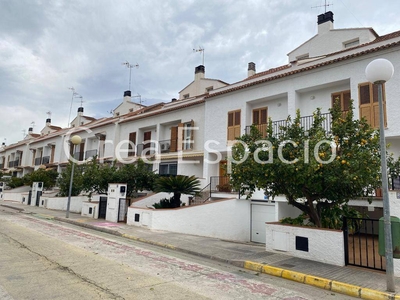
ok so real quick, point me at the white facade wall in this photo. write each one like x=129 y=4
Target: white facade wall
x=324 y=245
x=228 y=219
x=329 y=41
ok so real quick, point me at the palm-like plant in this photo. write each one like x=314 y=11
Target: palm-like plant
x=178 y=185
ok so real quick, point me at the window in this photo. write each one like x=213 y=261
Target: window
x=369 y=106
x=260 y=119
x=303 y=56
x=187 y=143
x=132 y=143
x=209 y=89
x=343 y=98
x=186 y=96
x=182 y=136
x=351 y=43
x=233 y=125
x=168 y=169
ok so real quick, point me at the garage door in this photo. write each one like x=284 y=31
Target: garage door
x=260 y=213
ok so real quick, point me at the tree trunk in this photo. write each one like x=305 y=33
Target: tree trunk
x=177 y=200
x=313 y=213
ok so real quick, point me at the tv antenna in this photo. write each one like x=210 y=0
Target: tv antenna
x=33 y=124
x=201 y=50
x=74 y=95
x=130 y=66
x=23 y=133
x=140 y=98
x=49 y=114
x=325 y=5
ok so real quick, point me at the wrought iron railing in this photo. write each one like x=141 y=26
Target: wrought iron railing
x=11 y=164
x=146 y=148
x=1 y=166
x=38 y=161
x=203 y=196
x=45 y=160
x=306 y=122
x=220 y=184
x=90 y=153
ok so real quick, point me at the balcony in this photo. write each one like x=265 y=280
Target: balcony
x=45 y=160
x=306 y=122
x=11 y=164
x=38 y=161
x=1 y=166
x=90 y=154
x=79 y=156
x=147 y=148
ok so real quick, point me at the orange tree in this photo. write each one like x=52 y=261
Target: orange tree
x=318 y=169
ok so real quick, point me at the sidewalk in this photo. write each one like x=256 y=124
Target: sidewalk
x=357 y=282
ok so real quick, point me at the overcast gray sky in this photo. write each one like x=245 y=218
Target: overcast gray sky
x=48 y=46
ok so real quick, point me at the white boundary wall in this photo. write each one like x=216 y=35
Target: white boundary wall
x=16 y=194
x=226 y=219
x=94 y=205
x=324 y=245
x=60 y=203
x=148 y=201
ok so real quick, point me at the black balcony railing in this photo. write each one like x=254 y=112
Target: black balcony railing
x=220 y=184
x=165 y=146
x=45 y=160
x=79 y=156
x=38 y=161
x=11 y=164
x=90 y=153
x=147 y=148
x=1 y=166
x=306 y=122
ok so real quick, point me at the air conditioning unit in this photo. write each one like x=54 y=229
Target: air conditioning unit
x=165 y=146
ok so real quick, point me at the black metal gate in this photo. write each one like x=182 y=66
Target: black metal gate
x=29 y=197
x=122 y=210
x=38 y=194
x=102 y=207
x=361 y=243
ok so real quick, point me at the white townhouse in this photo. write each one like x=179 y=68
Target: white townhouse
x=169 y=136
x=329 y=65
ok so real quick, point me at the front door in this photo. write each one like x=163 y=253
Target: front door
x=102 y=207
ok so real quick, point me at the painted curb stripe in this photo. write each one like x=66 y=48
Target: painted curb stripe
x=319 y=282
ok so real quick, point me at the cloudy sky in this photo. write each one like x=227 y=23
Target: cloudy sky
x=48 y=46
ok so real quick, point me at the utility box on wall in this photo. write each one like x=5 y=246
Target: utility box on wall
x=116 y=202
x=395 y=226
x=37 y=189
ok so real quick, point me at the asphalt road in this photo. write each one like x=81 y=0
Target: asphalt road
x=43 y=259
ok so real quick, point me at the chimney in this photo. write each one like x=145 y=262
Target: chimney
x=325 y=22
x=30 y=130
x=199 y=72
x=127 y=96
x=251 y=70
x=173 y=99
x=80 y=111
x=48 y=122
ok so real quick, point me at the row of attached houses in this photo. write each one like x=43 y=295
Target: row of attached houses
x=190 y=135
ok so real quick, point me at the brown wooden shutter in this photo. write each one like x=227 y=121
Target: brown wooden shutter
x=174 y=139
x=256 y=119
x=132 y=138
x=52 y=154
x=146 y=138
x=233 y=129
x=81 y=151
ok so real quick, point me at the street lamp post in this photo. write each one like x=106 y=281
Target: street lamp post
x=75 y=140
x=378 y=72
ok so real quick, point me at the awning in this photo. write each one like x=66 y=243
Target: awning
x=181 y=155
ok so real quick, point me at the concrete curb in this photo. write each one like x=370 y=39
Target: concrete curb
x=318 y=282
x=323 y=283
